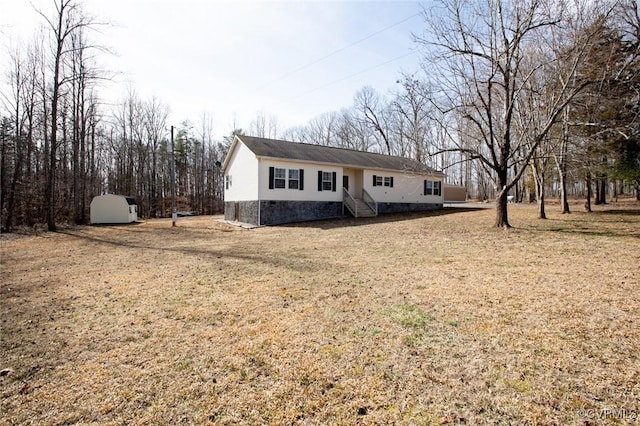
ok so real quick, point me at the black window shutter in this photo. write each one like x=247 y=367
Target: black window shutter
x=333 y=184
x=425 y=188
x=319 y=180
x=374 y=180
x=391 y=183
x=271 y=177
x=301 y=184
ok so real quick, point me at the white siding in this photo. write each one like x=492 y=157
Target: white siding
x=407 y=188
x=243 y=172
x=310 y=191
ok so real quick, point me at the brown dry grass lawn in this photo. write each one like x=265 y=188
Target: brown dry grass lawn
x=404 y=319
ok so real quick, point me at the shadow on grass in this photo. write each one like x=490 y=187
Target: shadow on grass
x=301 y=264
x=625 y=212
x=349 y=221
x=604 y=223
x=591 y=232
x=107 y=225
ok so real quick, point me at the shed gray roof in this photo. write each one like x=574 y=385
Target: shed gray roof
x=280 y=149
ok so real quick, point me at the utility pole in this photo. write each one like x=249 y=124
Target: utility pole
x=174 y=213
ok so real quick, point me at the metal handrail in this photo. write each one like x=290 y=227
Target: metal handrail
x=370 y=201
x=350 y=202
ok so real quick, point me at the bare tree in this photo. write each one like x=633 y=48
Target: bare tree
x=67 y=20
x=604 y=118
x=155 y=124
x=84 y=76
x=372 y=110
x=320 y=130
x=413 y=105
x=476 y=52
x=57 y=144
x=18 y=82
x=264 y=126
x=560 y=158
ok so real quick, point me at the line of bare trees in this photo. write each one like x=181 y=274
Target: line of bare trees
x=60 y=146
x=516 y=98
x=519 y=98
x=400 y=123
x=535 y=87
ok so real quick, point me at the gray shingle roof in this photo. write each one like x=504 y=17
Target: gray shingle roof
x=272 y=148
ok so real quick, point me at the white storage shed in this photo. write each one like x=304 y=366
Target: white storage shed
x=111 y=208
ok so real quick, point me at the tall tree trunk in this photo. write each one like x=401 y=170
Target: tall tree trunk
x=587 y=204
x=538 y=172
x=602 y=190
x=17 y=149
x=153 y=202
x=518 y=196
x=4 y=223
x=75 y=144
x=17 y=166
x=17 y=173
x=50 y=193
x=561 y=164
x=540 y=182
x=502 y=216
x=92 y=157
x=564 y=198
x=44 y=188
x=83 y=163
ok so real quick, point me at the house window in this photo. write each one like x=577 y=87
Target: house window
x=327 y=181
x=227 y=181
x=383 y=181
x=294 y=178
x=280 y=178
x=432 y=187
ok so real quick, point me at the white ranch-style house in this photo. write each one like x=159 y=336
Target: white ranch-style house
x=270 y=182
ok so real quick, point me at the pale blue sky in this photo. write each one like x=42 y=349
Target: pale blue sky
x=231 y=59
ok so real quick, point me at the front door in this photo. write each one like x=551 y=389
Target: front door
x=345 y=182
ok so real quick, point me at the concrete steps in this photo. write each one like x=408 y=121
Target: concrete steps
x=363 y=209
